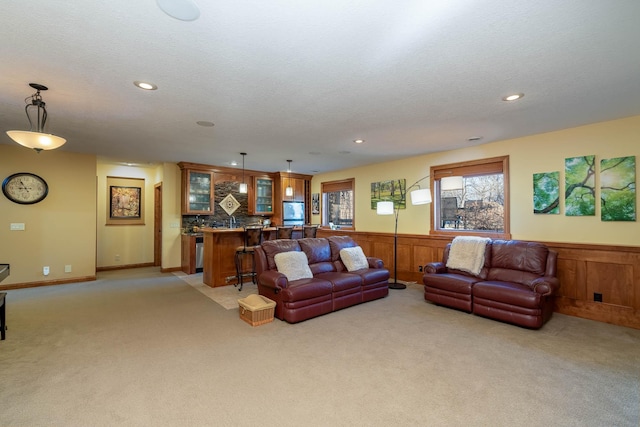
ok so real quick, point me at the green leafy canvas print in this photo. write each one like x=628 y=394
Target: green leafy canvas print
x=580 y=186
x=618 y=189
x=546 y=193
x=393 y=190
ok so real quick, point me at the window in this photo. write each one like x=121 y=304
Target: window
x=471 y=197
x=337 y=203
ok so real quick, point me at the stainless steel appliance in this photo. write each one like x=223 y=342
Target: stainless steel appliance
x=199 y=254
x=292 y=213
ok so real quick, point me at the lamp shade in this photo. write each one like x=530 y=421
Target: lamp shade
x=36 y=140
x=242 y=188
x=451 y=183
x=421 y=196
x=384 y=208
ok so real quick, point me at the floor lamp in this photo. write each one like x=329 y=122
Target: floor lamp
x=420 y=196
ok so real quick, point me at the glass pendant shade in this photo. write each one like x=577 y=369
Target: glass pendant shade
x=242 y=188
x=421 y=196
x=289 y=190
x=384 y=208
x=36 y=139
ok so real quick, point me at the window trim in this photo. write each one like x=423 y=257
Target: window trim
x=338 y=185
x=470 y=168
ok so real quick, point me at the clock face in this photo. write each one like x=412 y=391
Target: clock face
x=25 y=188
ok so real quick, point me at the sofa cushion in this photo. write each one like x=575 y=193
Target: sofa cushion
x=293 y=264
x=354 y=258
x=517 y=261
x=273 y=247
x=337 y=243
x=317 y=249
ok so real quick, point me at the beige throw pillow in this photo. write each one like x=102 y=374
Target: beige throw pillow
x=354 y=258
x=293 y=264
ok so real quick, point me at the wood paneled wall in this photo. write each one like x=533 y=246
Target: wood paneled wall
x=583 y=270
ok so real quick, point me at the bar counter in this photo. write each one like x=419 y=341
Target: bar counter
x=220 y=245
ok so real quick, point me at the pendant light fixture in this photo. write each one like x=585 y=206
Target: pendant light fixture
x=36 y=138
x=289 y=190
x=242 y=188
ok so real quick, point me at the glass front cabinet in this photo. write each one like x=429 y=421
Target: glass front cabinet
x=197 y=192
x=263 y=196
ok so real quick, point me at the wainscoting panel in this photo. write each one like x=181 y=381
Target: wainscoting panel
x=583 y=270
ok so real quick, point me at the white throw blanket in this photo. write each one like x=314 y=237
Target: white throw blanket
x=467 y=253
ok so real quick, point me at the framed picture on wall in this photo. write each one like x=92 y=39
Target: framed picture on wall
x=315 y=203
x=125 y=201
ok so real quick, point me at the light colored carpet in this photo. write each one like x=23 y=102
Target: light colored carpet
x=149 y=350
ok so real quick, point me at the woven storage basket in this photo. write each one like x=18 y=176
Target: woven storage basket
x=256 y=310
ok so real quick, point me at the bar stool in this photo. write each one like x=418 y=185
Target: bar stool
x=309 y=230
x=252 y=237
x=284 y=232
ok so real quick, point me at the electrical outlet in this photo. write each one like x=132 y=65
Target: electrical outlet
x=45 y=270
x=597 y=297
x=67 y=268
x=420 y=269
x=117 y=257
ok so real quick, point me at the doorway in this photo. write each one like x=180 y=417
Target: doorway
x=157 y=225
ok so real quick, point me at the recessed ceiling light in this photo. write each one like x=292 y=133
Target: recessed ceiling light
x=474 y=138
x=184 y=10
x=358 y=141
x=513 y=97
x=205 y=123
x=233 y=163
x=145 y=85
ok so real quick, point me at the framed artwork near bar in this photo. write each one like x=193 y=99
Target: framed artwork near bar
x=125 y=201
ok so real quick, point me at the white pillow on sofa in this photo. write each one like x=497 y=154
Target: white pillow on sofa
x=293 y=264
x=354 y=258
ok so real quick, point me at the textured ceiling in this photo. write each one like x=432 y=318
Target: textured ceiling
x=301 y=80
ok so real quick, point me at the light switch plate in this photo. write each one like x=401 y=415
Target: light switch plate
x=17 y=226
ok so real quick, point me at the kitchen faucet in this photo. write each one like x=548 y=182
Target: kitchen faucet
x=232 y=222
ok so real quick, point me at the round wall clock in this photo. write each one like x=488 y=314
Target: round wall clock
x=25 y=188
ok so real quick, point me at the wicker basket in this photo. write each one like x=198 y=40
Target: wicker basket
x=256 y=310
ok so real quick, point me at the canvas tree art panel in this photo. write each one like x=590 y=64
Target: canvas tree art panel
x=546 y=193
x=618 y=189
x=580 y=186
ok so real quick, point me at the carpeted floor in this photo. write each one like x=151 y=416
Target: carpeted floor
x=141 y=348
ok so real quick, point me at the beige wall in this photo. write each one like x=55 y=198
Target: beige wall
x=60 y=230
x=171 y=215
x=122 y=245
x=529 y=155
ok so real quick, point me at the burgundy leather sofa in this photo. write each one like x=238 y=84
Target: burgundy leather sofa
x=331 y=288
x=516 y=284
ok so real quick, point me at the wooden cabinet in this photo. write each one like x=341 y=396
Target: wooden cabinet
x=298 y=185
x=197 y=192
x=261 y=201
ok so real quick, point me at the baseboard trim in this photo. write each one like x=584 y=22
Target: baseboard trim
x=47 y=283
x=124 y=267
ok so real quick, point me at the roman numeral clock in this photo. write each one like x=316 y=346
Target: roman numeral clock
x=25 y=188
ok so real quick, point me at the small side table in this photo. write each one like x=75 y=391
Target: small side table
x=3 y=324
